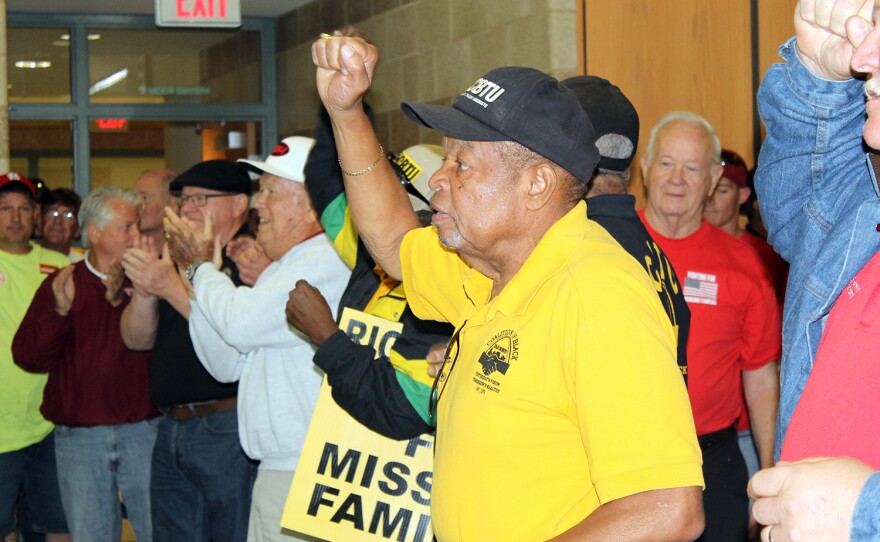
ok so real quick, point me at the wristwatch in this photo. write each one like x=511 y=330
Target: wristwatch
x=190 y=270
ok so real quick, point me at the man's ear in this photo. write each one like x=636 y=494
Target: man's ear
x=744 y=194
x=542 y=181
x=716 y=173
x=94 y=233
x=241 y=204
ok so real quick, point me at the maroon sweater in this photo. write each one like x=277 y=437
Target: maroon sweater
x=93 y=378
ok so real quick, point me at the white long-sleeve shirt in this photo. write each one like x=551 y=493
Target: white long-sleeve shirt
x=242 y=334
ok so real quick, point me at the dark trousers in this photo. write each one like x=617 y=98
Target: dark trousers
x=202 y=480
x=725 y=501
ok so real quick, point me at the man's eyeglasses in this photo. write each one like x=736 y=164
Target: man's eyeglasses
x=199 y=200
x=449 y=359
x=65 y=215
x=404 y=180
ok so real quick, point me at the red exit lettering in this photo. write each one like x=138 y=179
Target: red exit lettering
x=201 y=8
x=111 y=124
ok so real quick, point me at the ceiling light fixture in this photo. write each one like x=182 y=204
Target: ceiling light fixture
x=92 y=36
x=33 y=64
x=108 y=81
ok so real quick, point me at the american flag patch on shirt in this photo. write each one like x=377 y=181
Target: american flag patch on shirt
x=700 y=288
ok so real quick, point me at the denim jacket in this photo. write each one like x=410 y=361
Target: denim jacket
x=819 y=200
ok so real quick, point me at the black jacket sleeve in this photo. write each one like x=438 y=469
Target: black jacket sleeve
x=368 y=389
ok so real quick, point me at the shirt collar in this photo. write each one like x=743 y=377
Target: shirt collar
x=94 y=271
x=547 y=258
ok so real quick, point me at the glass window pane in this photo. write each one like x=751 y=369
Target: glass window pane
x=174 y=66
x=42 y=149
x=122 y=151
x=39 y=65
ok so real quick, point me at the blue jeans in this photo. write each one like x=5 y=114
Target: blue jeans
x=31 y=470
x=95 y=465
x=749 y=451
x=202 y=480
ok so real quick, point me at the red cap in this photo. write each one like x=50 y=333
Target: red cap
x=13 y=177
x=735 y=168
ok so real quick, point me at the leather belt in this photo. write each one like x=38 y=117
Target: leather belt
x=182 y=413
x=711 y=439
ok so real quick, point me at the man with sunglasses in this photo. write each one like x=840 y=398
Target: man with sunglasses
x=60 y=208
x=201 y=478
x=555 y=414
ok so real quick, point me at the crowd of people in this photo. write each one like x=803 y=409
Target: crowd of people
x=660 y=374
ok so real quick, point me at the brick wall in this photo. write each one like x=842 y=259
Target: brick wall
x=430 y=50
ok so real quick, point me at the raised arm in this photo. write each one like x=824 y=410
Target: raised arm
x=811 y=165
x=378 y=203
x=152 y=278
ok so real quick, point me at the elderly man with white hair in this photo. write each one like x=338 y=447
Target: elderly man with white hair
x=241 y=333
x=735 y=327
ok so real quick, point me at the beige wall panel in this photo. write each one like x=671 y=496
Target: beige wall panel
x=775 y=25
x=671 y=55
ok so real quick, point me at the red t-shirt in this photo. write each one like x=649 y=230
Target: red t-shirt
x=839 y=411
x=774 y=263
x=778 y=270
x=735 y=322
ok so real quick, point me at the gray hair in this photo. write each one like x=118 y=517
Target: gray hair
x=97 y=208
x=692 y=118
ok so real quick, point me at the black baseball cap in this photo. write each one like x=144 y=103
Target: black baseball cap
x=524 y=105
x=612 y=114
x=220 y=175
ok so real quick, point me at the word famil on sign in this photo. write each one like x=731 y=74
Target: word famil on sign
x=199 y=13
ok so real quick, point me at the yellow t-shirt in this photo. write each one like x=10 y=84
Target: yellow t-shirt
x=565 y=393
x=21 y=393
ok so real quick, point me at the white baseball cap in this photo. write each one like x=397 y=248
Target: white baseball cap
x=287 y=160
x=417 y=164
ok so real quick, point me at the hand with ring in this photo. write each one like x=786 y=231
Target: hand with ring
x=811 y=499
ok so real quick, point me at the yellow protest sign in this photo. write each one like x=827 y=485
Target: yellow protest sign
x=352 y=483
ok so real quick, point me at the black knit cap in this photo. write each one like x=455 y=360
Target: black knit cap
x=611 y=113
x=220 y=175
x=523 y=105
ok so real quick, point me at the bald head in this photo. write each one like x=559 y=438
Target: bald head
x=152 y=188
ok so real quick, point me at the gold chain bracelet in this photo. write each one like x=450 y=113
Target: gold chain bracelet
x=363 y=171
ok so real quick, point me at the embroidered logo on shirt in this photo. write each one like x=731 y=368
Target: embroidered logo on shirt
x=2 y=278
x=701 y=288
x=853 y=288
x=47 y=269
x=502 y=350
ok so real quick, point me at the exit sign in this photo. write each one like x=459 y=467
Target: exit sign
x=199 y=13
x=109 y=125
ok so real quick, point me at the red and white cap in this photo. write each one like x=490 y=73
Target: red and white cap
x=13 y=177
x=287 y=160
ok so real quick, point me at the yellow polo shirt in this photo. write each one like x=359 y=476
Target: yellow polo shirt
x=565 y=393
